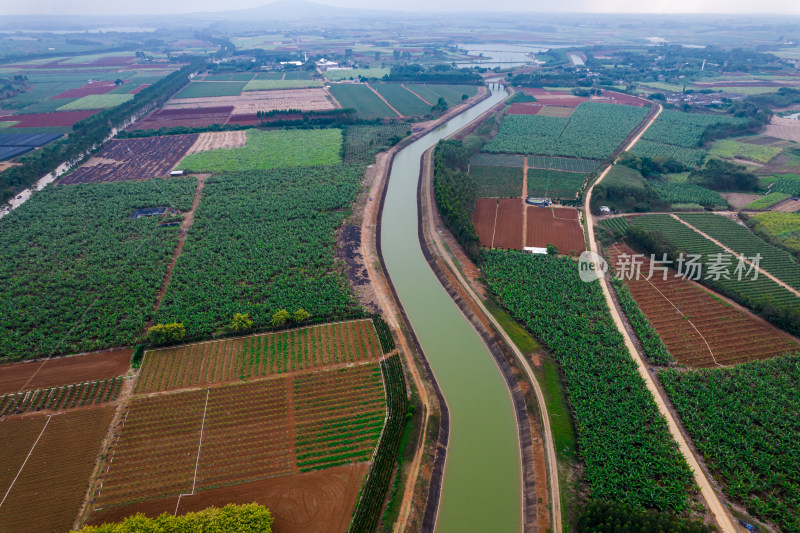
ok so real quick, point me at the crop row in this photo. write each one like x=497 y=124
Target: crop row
x=59 y=398
x=554 y=183
x=361 y=143
x=744 y=422
x=505 y=182
x=685 y=129
x=384 y=334
x=339 y=416
x=258 y=355
x=368 y=509
x=689 y=157
x=78 y=273
x=754 y=293
x=738 y=238
x=653 y=347
x=262 y=242
x=688 y=193
x=628 y=452
x=593 y=131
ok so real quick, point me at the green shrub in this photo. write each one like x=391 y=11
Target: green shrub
x=249 y=518
x=164 y=333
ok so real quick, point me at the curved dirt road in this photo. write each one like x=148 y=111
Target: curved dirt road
x=721 y=516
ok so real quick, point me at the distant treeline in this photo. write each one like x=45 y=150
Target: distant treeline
x=90 y=132
x=434 y=74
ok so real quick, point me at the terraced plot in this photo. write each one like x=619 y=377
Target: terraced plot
x=699 y=329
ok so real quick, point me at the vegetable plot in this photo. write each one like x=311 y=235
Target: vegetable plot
x=60 y=398
x=628 y=453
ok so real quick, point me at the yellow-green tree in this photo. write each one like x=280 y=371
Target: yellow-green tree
x=280 y=318
x=163 y=333
x=301 y=315
x=249 y=518
x=241 y=322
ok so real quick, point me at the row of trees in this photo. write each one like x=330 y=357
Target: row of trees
x=455 y=193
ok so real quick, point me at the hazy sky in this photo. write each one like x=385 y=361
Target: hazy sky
x=109 y=7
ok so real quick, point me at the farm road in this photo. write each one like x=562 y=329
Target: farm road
x=712 y=500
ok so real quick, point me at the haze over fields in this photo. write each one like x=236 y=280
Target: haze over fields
x=152 y=7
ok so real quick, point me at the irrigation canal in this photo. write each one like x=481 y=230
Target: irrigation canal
x=482 y=479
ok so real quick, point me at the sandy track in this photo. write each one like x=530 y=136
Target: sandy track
x=712 y=500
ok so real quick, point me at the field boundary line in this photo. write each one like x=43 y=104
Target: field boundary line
x=30 y=452
x=731 y=251
x=639 y=271
x=199 y=448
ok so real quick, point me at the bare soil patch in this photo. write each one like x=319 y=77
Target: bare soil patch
x=64 y=370
x=508 y=229
x=215 y=140
x=784 y=128
x=484 y=218
x=787 y=206
x=250 y=102
x=739 y=199
x=558 y=226
x=314 y=502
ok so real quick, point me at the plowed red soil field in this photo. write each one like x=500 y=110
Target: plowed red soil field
x=133 y=159
x=50 y=487
x=95 y=87
x=484 y=218
x=558 y=226
x=62 y=119
x=64 y=370
x=526 y=108
x=508 y=229
x=544 y=96
x=698 y=328
x=313 y=502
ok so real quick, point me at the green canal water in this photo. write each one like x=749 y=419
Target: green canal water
x=482 y=481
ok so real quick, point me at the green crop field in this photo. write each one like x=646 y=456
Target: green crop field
x=593 y=131
x=753 y=293
x=362 y=99
x=79 y=273
x=741 y=240
x=690 y=157
x=784 y=227
x=562 y=163
x=686 y=193
x=787 y=183
x=453 y=94
x=95 y=101
x=402 y=99
x=624 y=177
x=268 y=85
x=369 y=73
x=554 y=183
x=751 y=152
x=744 y=422
x=266 y=150
x=643 y=469
x=685 y=129
x=297 y=75
x=233 y=76
x=205 y=89
x=505 y=182
x=498 y=160
x=262 y=242
x=361 y=143
x=767 y=201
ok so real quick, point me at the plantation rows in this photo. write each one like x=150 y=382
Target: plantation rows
x=368 y=510
x=689 y=157
x=688 y=193
x=750 y=292
x=59 y=398
x=744 y=421
x=554 y=184
x=616 y=225
x=78 y=273
x=384 y=334
x=498 y=160
x=738 y=238
x=406 y=102
x=361 y=143
x=245 y=438
x=340 y=414
x=593 y=131
x=685 y=129
x=262 y=242
x=504 y=182
x=563 y=163
x=258 y=356
x=627 y=450
x=652 y=345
